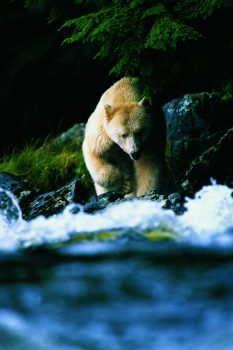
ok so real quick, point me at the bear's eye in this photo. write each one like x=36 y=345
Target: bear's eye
x=124 y=136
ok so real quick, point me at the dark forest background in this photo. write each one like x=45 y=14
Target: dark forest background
x=46 y=86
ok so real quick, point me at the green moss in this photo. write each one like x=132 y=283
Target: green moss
x=227 y=92
x=46 y=167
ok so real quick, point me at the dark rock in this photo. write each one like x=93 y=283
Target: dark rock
x=102 y=201
x=216 y=162
x=50 y=203
x=12 y=183
x=197 y=115
x=175 y=198
x=151 y=195
x=154 y=196
x=194 y=123
x=189 y=188
x=175 y=202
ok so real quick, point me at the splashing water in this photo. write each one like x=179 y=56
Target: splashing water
x=210 y=214
x=9 y=221
x=208 y=219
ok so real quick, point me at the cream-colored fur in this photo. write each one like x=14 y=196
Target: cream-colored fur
x=120 y=145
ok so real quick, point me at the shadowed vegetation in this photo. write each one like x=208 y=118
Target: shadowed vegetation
x=46 y=167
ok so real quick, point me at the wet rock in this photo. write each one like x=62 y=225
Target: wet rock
x=215 y=162
x=151 y=195
x=189 y=188
x=8 y=208
x=175 y=202
x=51 y=203
x=102 y=201
x=194 y=123
x=19 y=187
x=154 y=196
x=175 y=198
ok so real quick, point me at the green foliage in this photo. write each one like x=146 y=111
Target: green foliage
x=146 y=38
x=47 y=167
x=126 y=30
x=169 y=31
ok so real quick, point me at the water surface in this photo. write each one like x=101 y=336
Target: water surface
x=134 y=276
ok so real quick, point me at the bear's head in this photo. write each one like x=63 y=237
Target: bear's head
x=128 y=125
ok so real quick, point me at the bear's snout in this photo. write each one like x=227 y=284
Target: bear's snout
x=135 y=155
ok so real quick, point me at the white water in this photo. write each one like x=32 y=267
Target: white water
x=208 y=219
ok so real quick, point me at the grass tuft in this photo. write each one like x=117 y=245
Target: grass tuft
x=47 y=167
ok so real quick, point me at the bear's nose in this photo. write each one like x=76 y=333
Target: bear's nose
x=135 y=155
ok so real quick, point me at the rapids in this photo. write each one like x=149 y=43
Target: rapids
x=133 y=276
x=207 y=220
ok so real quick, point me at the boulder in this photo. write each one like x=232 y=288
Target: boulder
x=215 y=162
x=55 y=201
x=194 y=123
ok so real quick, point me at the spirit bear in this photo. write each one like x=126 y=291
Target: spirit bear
x=124 y=142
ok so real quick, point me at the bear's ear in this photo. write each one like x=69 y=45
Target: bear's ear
x=145 y=102
x=108 y=110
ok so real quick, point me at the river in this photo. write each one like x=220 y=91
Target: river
x=134 y=276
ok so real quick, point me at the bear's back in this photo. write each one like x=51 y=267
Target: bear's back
x=124 y=91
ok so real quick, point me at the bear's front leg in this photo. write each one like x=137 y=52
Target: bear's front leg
x=109 y=177
x=148 y=175
x=124 y=188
